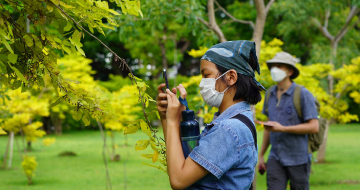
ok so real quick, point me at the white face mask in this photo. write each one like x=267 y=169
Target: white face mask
x=207 y=90
x=277 y=74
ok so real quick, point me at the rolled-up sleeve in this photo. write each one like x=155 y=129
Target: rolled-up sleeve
x=217 y=151
x=308 y=106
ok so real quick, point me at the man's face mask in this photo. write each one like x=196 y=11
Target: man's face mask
x=277 y=74
x=207 y=90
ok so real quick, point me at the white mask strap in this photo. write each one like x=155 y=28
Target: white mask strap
x=222 y=75
x=226 y=89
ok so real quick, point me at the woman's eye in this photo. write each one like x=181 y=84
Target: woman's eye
x=205 y=76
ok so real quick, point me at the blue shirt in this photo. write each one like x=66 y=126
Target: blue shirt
x=227 y=151
x=290 y=149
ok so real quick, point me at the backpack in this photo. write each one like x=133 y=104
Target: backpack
x=314 y=139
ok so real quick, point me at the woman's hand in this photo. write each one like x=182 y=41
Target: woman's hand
x=174 y=106
x=161 y=101
x=173 y=113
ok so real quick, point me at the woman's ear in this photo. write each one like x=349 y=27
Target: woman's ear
x=231 y=77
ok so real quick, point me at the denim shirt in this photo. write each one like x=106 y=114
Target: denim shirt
x=227 y=151
x=290 y=149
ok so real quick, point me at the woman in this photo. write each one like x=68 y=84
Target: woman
x=227 y=155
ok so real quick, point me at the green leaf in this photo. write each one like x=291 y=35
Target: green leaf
x=28 y=40
x=16 y=84
x=3 y=40
x=145 y=128
x=130 y=129
x=156 y=156
x=113 y=12
x=66 y=49
x=86 y=119
x=68 y=26
x=3 y=67
x=18 y=73
x=77 y=114
x=141 y=144
x=12 y=57
x=3 y=33
x=73 y=98
x=58 y=101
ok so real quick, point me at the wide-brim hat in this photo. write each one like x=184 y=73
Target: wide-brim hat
x=285 y=58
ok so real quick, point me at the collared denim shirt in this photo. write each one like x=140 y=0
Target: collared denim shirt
x=227 y=151
x=290 y=149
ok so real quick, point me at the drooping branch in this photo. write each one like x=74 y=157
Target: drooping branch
x=233 y=19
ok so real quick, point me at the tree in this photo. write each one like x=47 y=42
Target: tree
x=258 y=27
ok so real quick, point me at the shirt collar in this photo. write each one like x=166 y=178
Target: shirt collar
x=230 y=112
x=288 y=92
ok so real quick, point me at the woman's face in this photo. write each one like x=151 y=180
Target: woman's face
x=209 y=70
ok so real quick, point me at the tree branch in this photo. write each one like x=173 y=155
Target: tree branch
x=233 y=18
x=185 y=46
x=322 y=29
x=354 y=11
x=204 y=22
x=327 y=16
x=267 y=8
x=212 y=21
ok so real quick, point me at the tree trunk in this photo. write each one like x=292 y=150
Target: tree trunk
x=11 y=148
x=6 y=153
x=322 y=149
x=260 y=24
x=29 y=146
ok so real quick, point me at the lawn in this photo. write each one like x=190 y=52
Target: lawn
x=87 y=171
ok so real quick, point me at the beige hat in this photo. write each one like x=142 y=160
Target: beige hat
x=285 y=58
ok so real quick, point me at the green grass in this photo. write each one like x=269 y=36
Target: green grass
x=87 y=171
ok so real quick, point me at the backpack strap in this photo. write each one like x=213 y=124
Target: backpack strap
x=248 y=124
x=267 y=96
x=297 y=100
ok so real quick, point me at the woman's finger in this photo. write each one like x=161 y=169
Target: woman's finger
x=161 y=96
x=182 y=91
x=163 y=103
x=160 y=88
x=168 y=95
x=173 y=96
x=173 y=90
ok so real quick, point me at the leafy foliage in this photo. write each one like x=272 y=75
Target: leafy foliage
x=26 y=57
x=29 y=166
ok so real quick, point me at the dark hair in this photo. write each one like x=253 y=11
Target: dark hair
x=245 y=86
